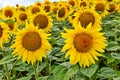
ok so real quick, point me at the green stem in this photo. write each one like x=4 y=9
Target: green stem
x=36 y=72
x=6 y=68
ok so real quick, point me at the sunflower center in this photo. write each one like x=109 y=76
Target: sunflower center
x=11 y=26
x=85 y=18
x=1 y=31
x=31 y=41
x=55 y=10
x=41 y=21
x=8 y=13
x=109 y=0
x=111 y=7
x=47 y=8
x=61 y=12
x=82 y=42
x=35 y=10
x=38 y=4
x=71 y=2
x=100 y=7
x=68 y=8
x=23 y=16
x=83 y=4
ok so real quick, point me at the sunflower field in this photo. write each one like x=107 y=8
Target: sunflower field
x=62 y=40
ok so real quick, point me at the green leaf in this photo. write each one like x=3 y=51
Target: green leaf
x=6 y=59
x=59 y=72
x=115 y=55
x=107 y=72
x=113 y=46
x=89 y=71
x=117 y=78
x=73 y=70
x=66 y=64
x=25 y=78
x=42 y=66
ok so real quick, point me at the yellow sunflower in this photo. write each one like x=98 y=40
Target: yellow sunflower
x=47 y=2
x=3 y=34
x=62 y=13
x=46 y=7
x=8 y=12
x=112 y=7
x=33 y=9
x=54 y=10
x=100 y=7
x=31 y=44
x=22 y=16
x=42 y=20
x=83 y=45
x=21 y=8
x=87 y=16
x=38 y=3
x=84 y=4
x=72 y=3
x=12 y=27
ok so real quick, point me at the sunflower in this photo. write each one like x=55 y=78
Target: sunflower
x=8 y=12
x=12 y=27
x=3 y=34
x=87 y=16
x=100 y=7
x=54 y=10
x=62 y=13
x=46 y=7
x=31 y=44
x=112 y=7
x=21 y=8
x=72 y=3
x=84 y=4
x=22 y=16
x=42 y=20
x=38 y=3
x=47 y=2
x=33 y=9
x=83 y=45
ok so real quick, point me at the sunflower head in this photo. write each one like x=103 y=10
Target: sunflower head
x=62 y=13
x=33 y=9
x=112 y=7
x=38 y=3
x=8 y=12
x=21 y=8
x=101 y=7
x=83 y=45
x=86 y=17
x=32 y=43
x=83 y=4
x=42 y=20
x=47 y=2
x=47 y=8
x=54 y=9
x=21 y=16
x=72 y=2
x=12 y=27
